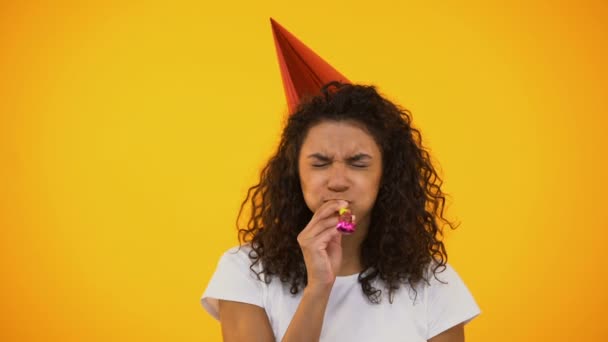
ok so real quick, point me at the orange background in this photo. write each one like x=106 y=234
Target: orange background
x=129 y=134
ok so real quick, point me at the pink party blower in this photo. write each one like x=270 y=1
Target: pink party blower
x=346 y=221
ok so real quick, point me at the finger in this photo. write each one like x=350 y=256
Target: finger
x=327 y=236
x=312 y=231
x=335 y=242
x=327 y=209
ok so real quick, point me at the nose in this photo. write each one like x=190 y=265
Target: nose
x=338 y=178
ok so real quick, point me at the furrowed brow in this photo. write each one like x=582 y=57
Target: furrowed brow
x=359 y=157
x=320 y=157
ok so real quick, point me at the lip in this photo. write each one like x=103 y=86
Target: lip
x=337 y=199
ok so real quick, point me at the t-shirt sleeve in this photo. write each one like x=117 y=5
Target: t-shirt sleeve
x=232 y=280
x=449 y=304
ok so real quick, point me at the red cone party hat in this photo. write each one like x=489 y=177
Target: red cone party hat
x=302 y=70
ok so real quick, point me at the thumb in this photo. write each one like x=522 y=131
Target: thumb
x=336 y=241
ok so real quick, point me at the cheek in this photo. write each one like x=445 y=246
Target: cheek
x=309 y=191
x=369 y=188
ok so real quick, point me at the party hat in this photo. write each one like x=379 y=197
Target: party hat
x=302 y=70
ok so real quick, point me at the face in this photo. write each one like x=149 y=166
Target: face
x=340 y=160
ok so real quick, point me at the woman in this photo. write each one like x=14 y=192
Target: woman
x=298 y=278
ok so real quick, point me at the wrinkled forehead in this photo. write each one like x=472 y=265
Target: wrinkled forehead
x=339 y=139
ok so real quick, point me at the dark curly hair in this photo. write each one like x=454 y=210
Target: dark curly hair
x=405 y=233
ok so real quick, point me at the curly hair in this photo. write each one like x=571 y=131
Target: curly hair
x=405 y=233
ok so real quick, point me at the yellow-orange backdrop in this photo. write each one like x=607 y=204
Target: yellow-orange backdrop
x=129 y=132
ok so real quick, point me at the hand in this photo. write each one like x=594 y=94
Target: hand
x=321 y=244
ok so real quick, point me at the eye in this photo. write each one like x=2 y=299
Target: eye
x=360 y=166
x=319 y=165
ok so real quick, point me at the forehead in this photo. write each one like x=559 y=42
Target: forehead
x=340 y=138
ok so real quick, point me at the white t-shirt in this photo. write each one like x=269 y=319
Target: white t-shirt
x=349 y=315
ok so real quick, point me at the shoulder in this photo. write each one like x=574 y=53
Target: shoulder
x=439 y=274
x=238 y=252
x=240 y=257
x=235 y=280
x=444 y=281
x=448 y=300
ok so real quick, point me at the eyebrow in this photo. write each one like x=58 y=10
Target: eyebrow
x=355 y=158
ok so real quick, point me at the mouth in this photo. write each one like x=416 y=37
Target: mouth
x=337 y=199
